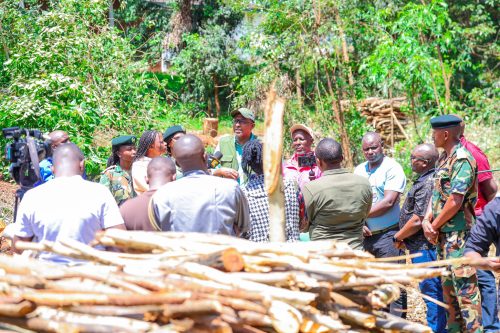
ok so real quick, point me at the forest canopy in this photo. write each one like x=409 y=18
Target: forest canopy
x=96 y=68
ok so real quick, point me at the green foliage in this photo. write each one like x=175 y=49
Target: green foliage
x=66 y=70
x=210 y=59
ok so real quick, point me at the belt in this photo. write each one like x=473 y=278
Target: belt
x=377 y=232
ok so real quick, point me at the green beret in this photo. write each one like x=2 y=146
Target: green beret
x=123 y=140
x=246 y=113
x=445 y=121
x=171 y=131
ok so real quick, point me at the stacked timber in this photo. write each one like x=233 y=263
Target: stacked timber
x=386 y=117
x=184 y=282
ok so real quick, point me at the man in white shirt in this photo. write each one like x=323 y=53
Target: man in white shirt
x=388 y=181
x=66 y=207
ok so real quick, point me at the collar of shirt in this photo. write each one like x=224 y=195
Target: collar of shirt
x=194 y=173
x=335 y=172
x=238 y=146
x=372 y=171
x=423 y=176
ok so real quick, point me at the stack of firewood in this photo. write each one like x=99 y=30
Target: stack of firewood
x=179 y=282
x=386 y=117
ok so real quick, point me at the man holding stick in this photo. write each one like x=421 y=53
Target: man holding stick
x=448 y=221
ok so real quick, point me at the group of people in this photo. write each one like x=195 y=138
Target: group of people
x=165 y=183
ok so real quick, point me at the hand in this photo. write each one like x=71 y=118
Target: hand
x=366 y=231
x=303 y=225
x=226 y=173
x=400 y=245
x=429 y=232
x=493 y=264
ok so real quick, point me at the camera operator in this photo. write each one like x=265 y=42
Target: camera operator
x=302 y=165
x=56 y=139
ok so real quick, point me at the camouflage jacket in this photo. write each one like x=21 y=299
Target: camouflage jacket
x=456 y=174
x=119 y=183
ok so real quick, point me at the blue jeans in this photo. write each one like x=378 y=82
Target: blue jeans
x=436 y=315
x=488 y=289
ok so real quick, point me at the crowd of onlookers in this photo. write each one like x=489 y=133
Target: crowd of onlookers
x=166 y=182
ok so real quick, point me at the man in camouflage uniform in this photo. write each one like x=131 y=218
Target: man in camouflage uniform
x=117 y=176
x=449 y=220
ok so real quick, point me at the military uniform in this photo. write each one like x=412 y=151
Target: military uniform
x=119 y=183
x=456 y=173
x=115 y=178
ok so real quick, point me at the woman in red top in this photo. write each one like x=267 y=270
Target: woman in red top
x=302 y=165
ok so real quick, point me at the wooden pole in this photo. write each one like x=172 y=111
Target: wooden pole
x=273 y=148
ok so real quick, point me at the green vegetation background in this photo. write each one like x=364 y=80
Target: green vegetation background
x=63 y=67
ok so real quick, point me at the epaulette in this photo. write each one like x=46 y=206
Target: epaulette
x=108 y=168
x=462 y=153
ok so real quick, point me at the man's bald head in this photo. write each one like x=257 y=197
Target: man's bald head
x=189 y=153
x=57 y=138
x=427 y=151
x=161 y=170
x=372 y=137
x=423 y=158
x=68 y=160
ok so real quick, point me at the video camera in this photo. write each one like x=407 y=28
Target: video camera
x=24 y=153
x=308 y=160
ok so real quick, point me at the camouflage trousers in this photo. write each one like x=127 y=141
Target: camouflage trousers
x=460 y=288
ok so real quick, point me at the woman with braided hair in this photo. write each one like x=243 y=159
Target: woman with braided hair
x=258 y=201
x=151 y=145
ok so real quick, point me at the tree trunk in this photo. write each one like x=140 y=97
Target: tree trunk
x=180 y=23
x=345 y=54
x=298 y=85
x=446 y=79
x=339 y=119
x=111 y=14
x=216 y=95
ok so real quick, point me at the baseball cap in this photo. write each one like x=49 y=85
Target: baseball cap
x=302 y=127
x=246 y=113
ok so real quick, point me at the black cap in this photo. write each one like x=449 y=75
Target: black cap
x=171 y=131
x=123 y=140
x=445 y=121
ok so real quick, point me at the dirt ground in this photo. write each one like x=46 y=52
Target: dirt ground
x=7 y=192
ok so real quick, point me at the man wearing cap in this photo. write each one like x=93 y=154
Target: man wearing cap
x=448 y=221
x=486 y=191
x=231 y=146
x=117 y=176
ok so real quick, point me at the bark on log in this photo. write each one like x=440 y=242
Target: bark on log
x=211 y=126
x=228 y=260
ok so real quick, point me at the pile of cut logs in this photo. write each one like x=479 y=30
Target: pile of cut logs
x=180 y=282
x=386 y=117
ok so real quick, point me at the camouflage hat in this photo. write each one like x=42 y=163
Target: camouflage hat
x=123 y=140
x=445 y=121
x=246 y=113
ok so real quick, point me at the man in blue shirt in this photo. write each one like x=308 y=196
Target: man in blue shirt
x=388 y=181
